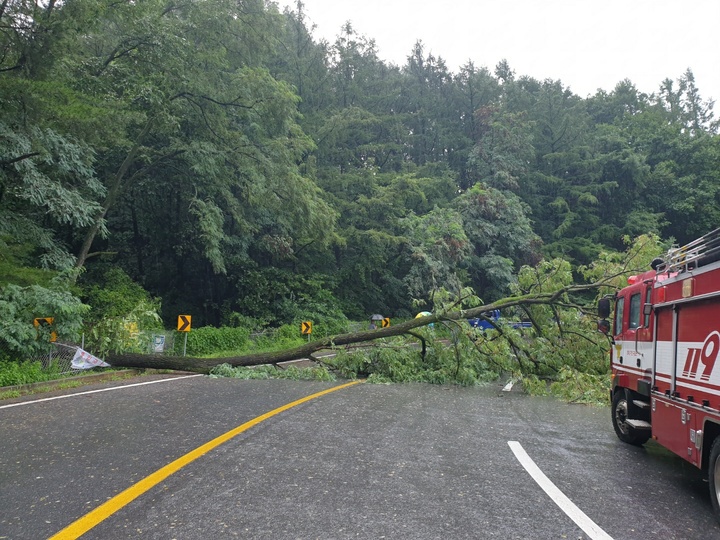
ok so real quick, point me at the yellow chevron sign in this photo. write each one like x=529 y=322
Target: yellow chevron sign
x=184 y=323
x=386 y=322
x=306 y=327
x=46 y=321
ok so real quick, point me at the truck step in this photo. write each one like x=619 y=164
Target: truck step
x=641 y=404
x=638 y=424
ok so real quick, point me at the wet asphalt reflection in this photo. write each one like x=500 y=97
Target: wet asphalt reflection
x=369 y=461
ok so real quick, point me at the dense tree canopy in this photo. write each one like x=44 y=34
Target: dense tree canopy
x=231 y=164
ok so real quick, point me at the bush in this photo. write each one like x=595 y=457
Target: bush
x=285 y=337
x=16 y=373
x=21 y=305
x=395 y=361
x=208 y=340
x=126 y=333
x=113 y=294
x=323 y=310
x=122 y=315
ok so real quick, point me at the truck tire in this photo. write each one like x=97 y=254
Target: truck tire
x=714 y=476
x=625 y=432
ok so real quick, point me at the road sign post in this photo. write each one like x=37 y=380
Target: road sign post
x=184 y=324
x=306 y=328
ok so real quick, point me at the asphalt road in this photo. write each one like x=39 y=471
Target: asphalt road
x=367 y=461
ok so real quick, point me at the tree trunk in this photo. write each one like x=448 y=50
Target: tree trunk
x=205 y=365
x=113 y=191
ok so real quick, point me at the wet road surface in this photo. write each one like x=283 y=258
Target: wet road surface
x=368 y=461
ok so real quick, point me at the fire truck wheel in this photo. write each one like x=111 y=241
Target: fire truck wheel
x=714 y=476
x=625 y=431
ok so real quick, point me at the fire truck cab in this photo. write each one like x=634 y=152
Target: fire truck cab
x=665 y=340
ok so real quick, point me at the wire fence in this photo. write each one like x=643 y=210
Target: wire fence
x=64 y=358
x=59 y=357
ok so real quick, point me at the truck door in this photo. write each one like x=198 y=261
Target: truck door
x=627 y=322
x=631 y=336
x=634 y=348
x=645 y=333
x=618 y=322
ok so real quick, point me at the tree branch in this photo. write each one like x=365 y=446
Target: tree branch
x=205 y=365
x=19 y=158
x=233 y=103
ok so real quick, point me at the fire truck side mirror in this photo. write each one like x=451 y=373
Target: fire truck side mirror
x=604 y=308
x=647 y=309
x=603 y=326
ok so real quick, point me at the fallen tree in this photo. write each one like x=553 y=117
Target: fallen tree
x=205 y=365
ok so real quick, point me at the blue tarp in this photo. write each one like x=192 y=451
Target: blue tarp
x=494 y=316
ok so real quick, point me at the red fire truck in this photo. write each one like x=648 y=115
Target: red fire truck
x=665 y=343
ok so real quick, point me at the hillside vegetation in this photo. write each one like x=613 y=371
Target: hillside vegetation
x=214 y=158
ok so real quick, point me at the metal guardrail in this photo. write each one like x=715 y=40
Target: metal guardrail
x=699 y=252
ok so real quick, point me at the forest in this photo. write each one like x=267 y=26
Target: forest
x=214 y=158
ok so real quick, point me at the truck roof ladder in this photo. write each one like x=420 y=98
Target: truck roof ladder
x=704 y=250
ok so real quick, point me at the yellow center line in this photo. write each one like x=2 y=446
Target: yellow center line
x=105 y=510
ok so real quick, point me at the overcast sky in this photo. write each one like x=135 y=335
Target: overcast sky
x=587 y=44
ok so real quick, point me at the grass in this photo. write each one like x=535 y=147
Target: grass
x=272 y=372
x=26 y=372
x=263 y=345
x=26 y=375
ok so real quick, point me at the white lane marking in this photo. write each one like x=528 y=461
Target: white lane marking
x=96 y=391
x=566 y=505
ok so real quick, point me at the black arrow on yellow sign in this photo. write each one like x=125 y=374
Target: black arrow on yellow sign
x=306 y=327
x=46 y=322
x=184 y=323
x=386 y=322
